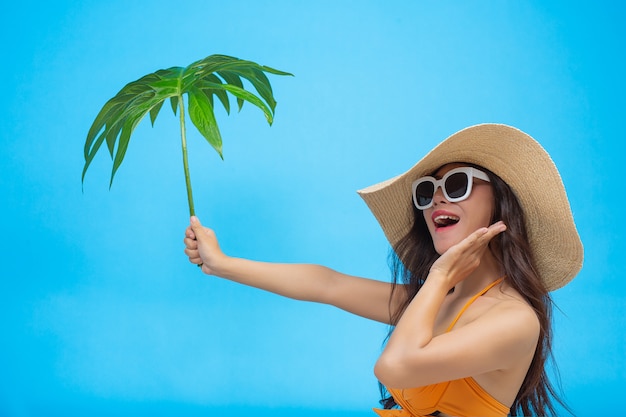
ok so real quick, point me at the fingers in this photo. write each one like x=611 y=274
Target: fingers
x=498 y=227
x=198 y=232
x=494 y=230
x=476 y=243
x=485 y=234
x=464 y=257
x=200 y=244
x=191 y=242
x=195 y=226
x=195 y=260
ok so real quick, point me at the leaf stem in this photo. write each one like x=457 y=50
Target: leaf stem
x=183 y=137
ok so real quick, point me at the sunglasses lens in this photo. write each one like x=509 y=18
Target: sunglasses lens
x=424 y=193
x=456 y=185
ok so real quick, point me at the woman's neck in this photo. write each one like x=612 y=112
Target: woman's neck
x=487 y=272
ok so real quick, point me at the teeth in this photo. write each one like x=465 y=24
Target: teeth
x=446 y=220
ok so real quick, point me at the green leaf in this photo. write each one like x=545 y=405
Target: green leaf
x=262 y=85
x=275 y=71
x=230 y=78
x=154 y=112
x=211 y=64
x=254 y=74
x=247 y=96
x=221 y=94
x=233 y=79
x=203 y=118
x=89 y=157
x=174 y=104
x=215 y=75
x=231 y=69
x=140 y=103
x=107 y=113
x=127 y=130
x=111 y=134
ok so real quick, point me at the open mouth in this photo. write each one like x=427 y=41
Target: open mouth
x=445 y=220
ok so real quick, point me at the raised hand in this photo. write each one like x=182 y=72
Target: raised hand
x=461 y=259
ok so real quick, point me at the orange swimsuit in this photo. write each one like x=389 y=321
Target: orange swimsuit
x=461 y=397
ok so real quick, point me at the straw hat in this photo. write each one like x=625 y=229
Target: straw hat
x=524 y=165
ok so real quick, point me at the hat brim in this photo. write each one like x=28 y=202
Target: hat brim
x=524 y=165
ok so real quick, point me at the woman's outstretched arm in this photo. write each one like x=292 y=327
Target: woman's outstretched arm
x=361 y=296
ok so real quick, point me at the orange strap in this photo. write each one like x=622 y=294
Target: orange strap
x=487 y=288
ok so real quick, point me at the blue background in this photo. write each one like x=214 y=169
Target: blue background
x=101 y=312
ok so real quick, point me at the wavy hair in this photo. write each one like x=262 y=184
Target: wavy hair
x=410 y=262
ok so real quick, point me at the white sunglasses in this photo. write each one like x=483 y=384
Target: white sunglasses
x=456 y=185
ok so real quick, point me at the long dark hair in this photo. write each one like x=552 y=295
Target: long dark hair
x=410 y=263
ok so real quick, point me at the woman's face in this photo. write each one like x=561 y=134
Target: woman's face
x=449 y=223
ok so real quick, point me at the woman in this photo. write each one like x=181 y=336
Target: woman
x=481 y=231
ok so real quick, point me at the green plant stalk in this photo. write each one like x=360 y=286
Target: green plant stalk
x=183 y=138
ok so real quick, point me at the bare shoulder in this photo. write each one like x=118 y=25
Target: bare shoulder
x=509 y=306
x=503 y=308
x=517 y=326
